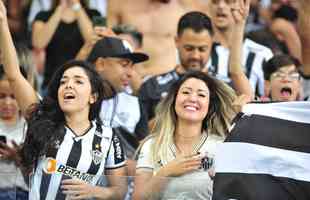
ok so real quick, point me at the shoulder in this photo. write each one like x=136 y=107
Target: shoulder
x=252 y=46
x=43 y=15
x=157 y=83
x=92 y=12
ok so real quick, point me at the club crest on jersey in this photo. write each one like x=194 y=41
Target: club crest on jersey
x=97 y=156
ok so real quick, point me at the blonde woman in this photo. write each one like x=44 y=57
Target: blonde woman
x=191 y=121
x=175 y=162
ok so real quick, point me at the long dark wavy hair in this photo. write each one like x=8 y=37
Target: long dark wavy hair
x=46 y=119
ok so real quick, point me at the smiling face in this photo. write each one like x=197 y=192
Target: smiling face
x=285 y=84
x=220 y=12
x=9 y=110
x=194 y=49
x=192 y=101
x=75 y=92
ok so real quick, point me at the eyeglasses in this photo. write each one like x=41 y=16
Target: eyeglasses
x=291 y=76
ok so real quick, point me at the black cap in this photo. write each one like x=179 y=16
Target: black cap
x=115 y=48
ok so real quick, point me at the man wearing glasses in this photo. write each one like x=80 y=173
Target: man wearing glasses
x=282 y=79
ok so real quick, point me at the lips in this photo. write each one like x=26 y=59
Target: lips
x=191 y=107
x=286 y=91
x=68 y=96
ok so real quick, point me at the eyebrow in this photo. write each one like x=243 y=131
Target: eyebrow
x=196 y=46
x=75 y=76
x=199 y=90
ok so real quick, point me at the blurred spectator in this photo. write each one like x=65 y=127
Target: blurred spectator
x=254 y=54
x=283 y=26
x=157 y=21
x=61 y=31
x=12 y=127
x=255 y=21
x=17 y=13
x=45 y=5
x=267 y=38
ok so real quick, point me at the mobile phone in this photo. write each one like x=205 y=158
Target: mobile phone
x=3 y=139
x=99 y=21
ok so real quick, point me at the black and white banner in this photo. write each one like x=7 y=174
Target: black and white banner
x=267 y=154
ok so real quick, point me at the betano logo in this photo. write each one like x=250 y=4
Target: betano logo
x=51 y=166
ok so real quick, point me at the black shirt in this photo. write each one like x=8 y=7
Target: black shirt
x=64 y=45
x=153 y=90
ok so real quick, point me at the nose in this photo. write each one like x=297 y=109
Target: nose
x=195 y=54
x=7 y=100
x=193 y=98
x=69 y=83
x=221 y=3
x=129 y=70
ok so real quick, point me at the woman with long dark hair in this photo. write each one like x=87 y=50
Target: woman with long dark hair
x=66 y=146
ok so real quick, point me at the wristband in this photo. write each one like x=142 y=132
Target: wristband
x=76 y=7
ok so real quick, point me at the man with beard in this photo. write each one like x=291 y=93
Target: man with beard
x=253 y=56
x=193 y=43
x=157 y=21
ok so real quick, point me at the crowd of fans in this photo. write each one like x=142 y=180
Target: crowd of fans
x=148 y=89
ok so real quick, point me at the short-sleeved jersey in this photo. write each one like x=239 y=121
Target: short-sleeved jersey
x=254 y=56
x=80 y=157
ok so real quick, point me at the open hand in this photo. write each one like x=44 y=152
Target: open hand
x=181 y=165
x=77 y=189
x=240 y=11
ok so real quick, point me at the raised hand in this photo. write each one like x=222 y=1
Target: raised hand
x=240 y=11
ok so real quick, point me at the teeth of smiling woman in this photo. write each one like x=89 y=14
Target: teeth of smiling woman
x=192 y=108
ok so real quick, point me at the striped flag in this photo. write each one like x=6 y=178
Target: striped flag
x=267 y=154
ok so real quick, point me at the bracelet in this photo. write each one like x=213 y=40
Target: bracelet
x=76 y=7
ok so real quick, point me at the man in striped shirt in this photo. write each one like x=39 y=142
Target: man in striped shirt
x=254 y=54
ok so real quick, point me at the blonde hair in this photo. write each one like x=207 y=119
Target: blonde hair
x=217 y=121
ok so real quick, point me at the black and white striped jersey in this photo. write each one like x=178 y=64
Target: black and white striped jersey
x=80 y=157
x=254 y=56
x=153 y=90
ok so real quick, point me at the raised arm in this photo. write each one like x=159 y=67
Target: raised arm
x=84 y=22
x=114 y=14
x=23 y=91
x=42 y=32
x=240 y=81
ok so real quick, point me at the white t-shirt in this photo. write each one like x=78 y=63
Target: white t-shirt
x=121 y=111
x=10 y=175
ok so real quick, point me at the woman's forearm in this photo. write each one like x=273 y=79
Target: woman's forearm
x=85 y=24
x=43 y=32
